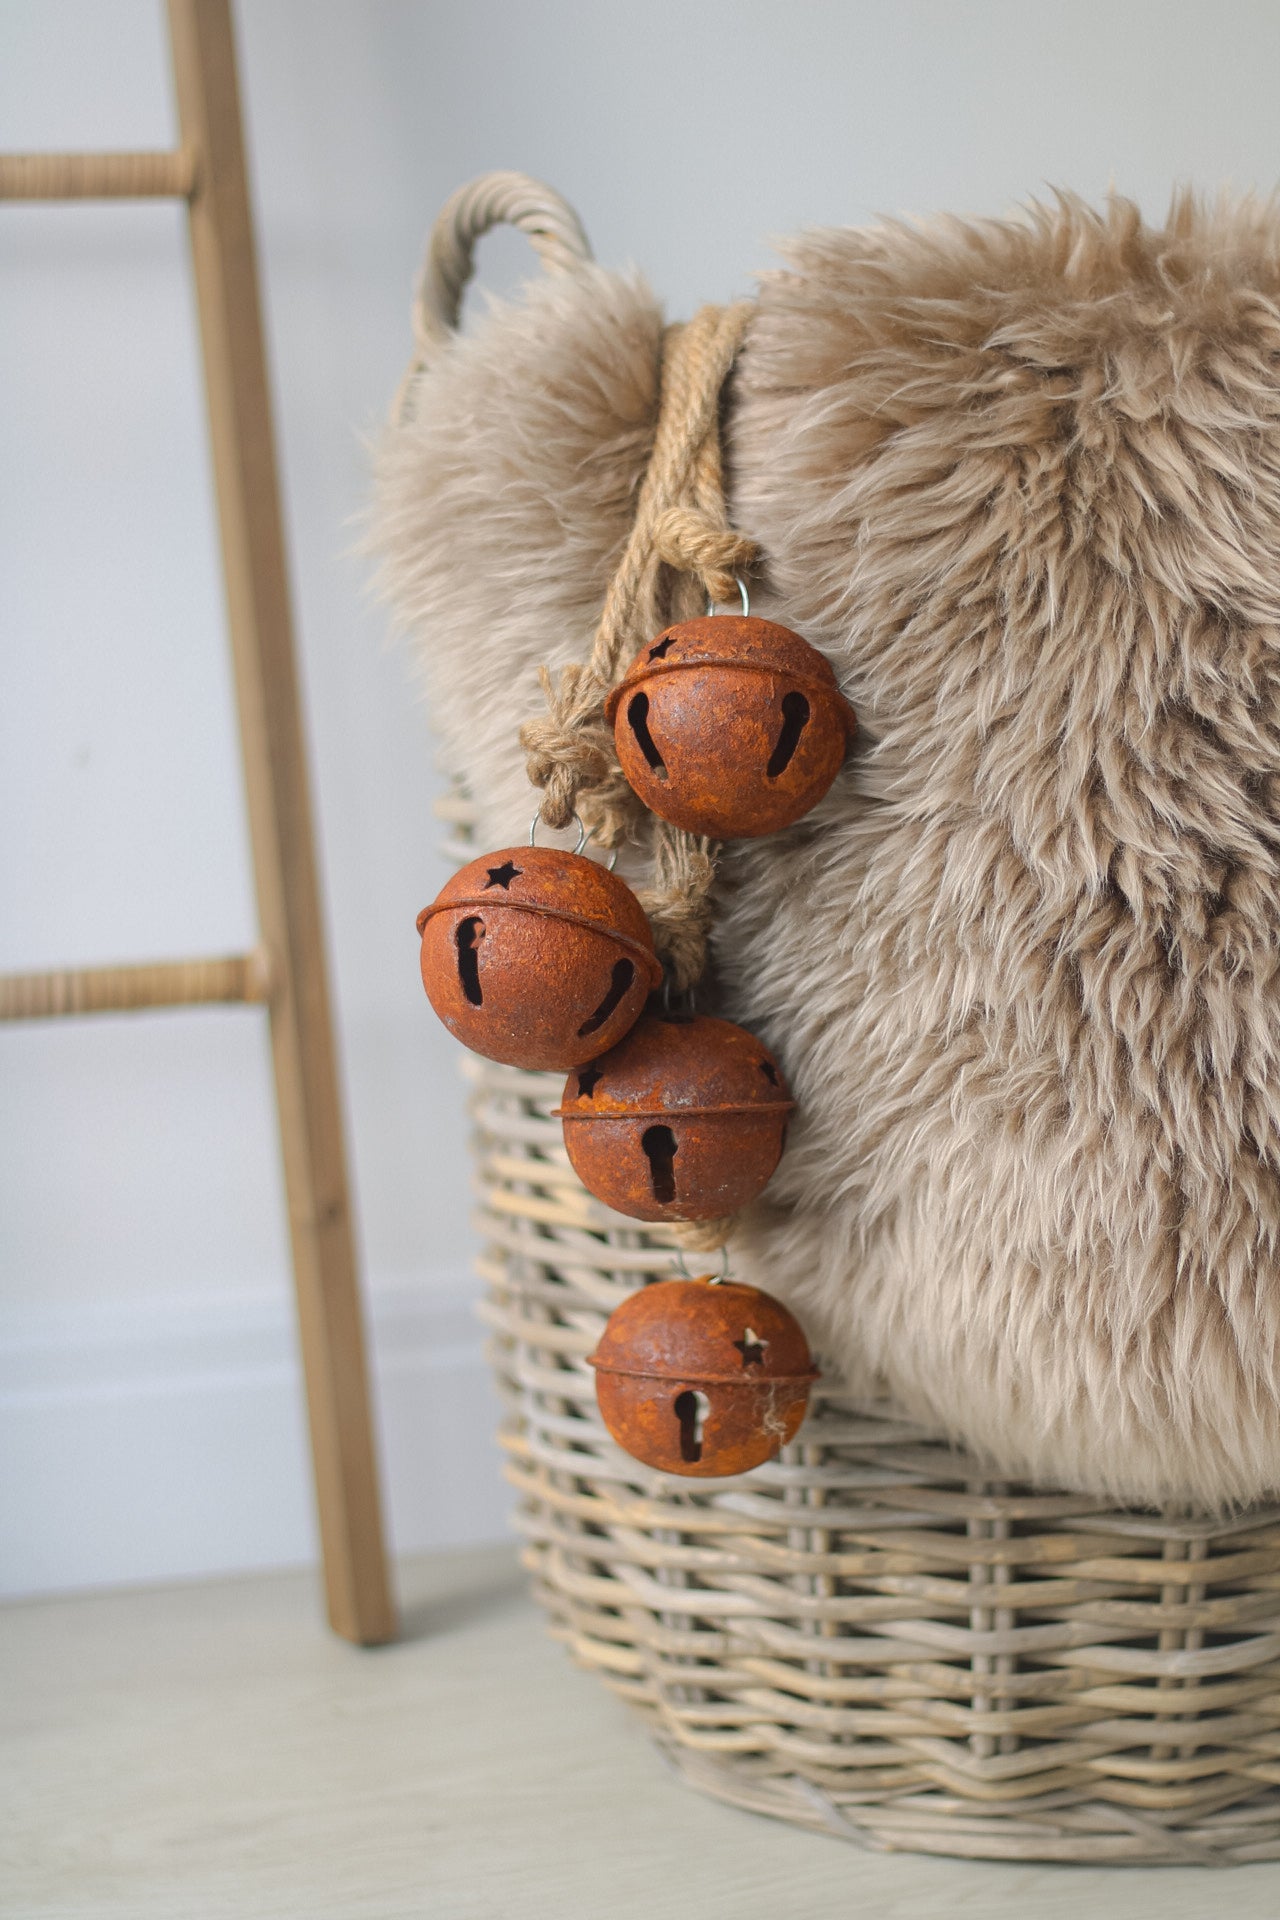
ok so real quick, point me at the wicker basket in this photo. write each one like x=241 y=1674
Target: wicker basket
x=864 y=1636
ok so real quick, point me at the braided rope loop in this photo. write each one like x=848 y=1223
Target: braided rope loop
x=491 y=200
x=682 y=526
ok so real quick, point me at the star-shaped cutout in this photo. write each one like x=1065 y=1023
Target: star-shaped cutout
x=588 y=1079
x=751 y=1347
x=502 y=876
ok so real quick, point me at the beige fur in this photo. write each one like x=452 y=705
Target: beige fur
x=1021 y=482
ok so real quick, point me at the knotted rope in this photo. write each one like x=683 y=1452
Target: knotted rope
x=681 y=549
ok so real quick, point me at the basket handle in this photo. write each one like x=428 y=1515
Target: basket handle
x=490 y=200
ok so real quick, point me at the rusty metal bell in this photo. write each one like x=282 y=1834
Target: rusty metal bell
x=730 y=726
x=702 y=1378
x=537 y=957
x=683 y=1120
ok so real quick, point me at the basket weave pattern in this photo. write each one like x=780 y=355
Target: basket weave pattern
x=864 y=1636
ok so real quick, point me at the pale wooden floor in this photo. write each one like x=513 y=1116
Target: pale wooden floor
x=209 y=1750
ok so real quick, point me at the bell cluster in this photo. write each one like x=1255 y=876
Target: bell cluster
x=732 y=727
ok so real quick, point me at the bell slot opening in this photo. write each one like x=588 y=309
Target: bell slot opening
x=588 y=1080
x=795 y=718
x=638 y=721
x=691 y=1409
x=467 y=940
x=619 y=984
x=659 y=1145
x=662 y=648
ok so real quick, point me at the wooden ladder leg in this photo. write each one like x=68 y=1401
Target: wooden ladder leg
x=226 y=281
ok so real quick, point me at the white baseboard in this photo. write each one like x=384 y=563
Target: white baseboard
x=166 y=1439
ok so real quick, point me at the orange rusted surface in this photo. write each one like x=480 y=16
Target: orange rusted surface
x=730 y=726
x=703 y=1379
x=683 y=1120
x=537 y=957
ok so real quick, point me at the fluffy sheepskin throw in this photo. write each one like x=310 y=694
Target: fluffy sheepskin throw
x=1020 y=481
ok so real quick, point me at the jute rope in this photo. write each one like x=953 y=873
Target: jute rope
x=681 y=550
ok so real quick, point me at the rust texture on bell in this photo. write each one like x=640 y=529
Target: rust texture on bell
x=683 y=1120
x=702 y=1378
x=730 y=726
x=537 y=957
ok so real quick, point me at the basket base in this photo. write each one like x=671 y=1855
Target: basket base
x=1078 y=1832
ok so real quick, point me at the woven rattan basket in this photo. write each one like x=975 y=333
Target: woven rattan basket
x=865 y=1636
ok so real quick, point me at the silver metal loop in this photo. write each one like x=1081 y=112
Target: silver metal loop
x=712 y=1279
x=742 y=593
x=584 y=834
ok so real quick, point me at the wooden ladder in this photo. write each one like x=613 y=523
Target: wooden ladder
x=286 y=970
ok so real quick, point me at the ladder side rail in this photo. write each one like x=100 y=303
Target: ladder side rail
x=272 y=745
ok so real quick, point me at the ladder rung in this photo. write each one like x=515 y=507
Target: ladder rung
x=98 y=176
x=163 y=983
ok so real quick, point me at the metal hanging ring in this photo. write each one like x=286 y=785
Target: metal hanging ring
x=712 y=1279
x=743 y=595
x=584 y=834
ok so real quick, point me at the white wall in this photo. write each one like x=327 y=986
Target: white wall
x=149 y=1413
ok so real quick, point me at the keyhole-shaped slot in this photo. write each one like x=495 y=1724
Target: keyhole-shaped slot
x=795 y=718
x=659 y=1144
x=467 y=939
x=623 y=974
x=691 y=1410
x=638 y=721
